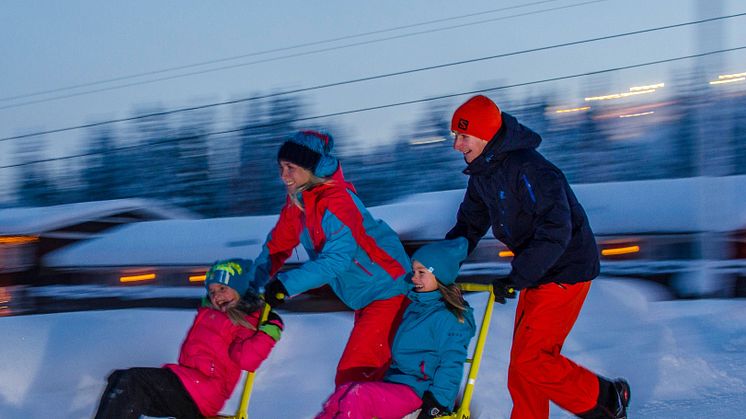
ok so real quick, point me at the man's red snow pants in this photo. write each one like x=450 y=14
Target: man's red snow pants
x=368 y=352
x=538 y=372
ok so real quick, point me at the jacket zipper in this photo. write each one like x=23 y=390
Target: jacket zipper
x=504 y=226
x=422 y=371
x=362 y=267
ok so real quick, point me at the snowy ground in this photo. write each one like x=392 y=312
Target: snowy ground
x=684 y=359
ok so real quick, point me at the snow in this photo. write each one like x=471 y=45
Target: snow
x=683 y=358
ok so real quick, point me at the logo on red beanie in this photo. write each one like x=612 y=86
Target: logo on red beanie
x=478 y=117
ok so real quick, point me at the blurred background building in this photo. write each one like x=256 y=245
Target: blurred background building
x=659 y=165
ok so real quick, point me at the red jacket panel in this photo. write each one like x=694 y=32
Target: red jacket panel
x=333 y=197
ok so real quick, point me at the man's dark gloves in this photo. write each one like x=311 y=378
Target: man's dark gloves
x=275 y=292
x=430 y=407
x=503 y=288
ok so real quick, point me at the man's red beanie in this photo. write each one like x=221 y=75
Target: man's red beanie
x=478 y=117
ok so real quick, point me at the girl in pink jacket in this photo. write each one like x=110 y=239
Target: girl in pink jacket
x=224 y=339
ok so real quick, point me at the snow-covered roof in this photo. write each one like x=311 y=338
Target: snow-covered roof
x=665 y=205
x=169 y=242
x=425 y=216
x=38 y=220
x=647 y=207
x=657 y=206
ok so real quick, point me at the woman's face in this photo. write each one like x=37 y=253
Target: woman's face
x=222 y=296
x=293 y=176
x=423 y=279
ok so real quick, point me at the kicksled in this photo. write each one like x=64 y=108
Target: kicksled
x=474 y=362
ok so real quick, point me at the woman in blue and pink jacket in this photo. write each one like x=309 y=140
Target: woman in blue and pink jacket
x=359 y=257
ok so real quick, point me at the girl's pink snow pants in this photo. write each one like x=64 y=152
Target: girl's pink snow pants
x=370 y=399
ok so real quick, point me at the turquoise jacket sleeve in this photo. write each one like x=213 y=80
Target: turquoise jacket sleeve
x=259 y=273
x=333 y=260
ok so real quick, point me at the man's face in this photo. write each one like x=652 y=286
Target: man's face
x=471 y=147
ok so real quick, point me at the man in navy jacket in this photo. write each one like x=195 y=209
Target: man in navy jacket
x=532 y=210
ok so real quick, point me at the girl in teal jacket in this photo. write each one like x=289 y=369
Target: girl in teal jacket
x=429 y=349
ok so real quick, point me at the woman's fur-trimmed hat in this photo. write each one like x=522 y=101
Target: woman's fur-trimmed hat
x=312 y=151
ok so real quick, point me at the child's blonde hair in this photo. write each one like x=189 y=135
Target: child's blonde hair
x=238 y=313
x=453 y=299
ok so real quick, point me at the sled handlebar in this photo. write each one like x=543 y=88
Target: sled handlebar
x=471 y=286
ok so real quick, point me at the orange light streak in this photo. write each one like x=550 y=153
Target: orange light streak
x=620 y=250
x=197 y=278
x=136 y=278
x=18 y=239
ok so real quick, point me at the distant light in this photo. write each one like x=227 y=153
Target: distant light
x=620 y=250
x=634 y=90
x=135 y=278
x=723 y=81
x=581 y=109
x=505 y=254
x=4 y=296
x=619 y=95
x=197 y=278
x=632 y=115
x=731 y=76
x=18 y=239
x=647 y=87
x=428 y=140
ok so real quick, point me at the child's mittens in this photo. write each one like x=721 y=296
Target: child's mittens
x=273 y=326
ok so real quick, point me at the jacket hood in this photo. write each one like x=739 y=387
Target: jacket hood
x=339 y=178
x=512 y=136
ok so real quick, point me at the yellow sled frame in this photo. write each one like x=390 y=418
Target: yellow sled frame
x=475 y=361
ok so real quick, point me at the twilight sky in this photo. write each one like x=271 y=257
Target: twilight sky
x=48 y=47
